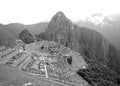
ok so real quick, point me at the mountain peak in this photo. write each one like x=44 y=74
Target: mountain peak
x=60 y=19
x=60 y=14
x=59 y=28
x=26 y=36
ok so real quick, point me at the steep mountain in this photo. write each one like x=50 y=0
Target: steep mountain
x=9 y=33
x=26 y=36
x=60 y=30
x=90 y=43
x=107 y=25
x=101 y=58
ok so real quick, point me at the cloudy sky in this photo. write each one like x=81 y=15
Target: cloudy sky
x=35 y=11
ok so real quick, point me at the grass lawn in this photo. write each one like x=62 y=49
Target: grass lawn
x=14 y=77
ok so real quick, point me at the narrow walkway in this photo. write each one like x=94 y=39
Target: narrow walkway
x=46 y=73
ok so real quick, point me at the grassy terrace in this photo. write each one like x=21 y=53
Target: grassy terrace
x=42 y=60
x=12 y=77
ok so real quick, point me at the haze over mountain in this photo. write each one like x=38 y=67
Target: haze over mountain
x=87 y=42
x=102 y=57
x=108 y=26
x=62 y=30
x=9 y=33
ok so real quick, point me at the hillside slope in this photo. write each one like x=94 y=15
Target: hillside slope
x=9 y=33
x=88 y=42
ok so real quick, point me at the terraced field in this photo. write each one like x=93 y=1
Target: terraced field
x=41 y=63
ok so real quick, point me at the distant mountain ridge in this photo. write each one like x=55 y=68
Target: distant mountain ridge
x=60 y=29
x=9 y=33
x=110 y=29
x=87 y=42
x=108 y=26
x=90 y=44
x=102 y=57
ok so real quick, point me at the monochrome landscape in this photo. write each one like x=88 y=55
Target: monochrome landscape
x=59 y=53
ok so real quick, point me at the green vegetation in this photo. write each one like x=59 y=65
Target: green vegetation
x=98 y=75
x=26 y=36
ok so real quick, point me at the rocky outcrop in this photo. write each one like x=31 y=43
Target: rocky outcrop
x=26 y=36
x=91 y=44
x=59 y=29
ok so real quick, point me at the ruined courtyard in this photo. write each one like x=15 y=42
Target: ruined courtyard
x=45 y=59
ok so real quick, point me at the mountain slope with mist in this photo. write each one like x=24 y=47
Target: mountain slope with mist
x=9 y=33
x=108 y=26
x=101 y=56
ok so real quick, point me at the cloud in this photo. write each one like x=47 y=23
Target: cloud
x=34 y=11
